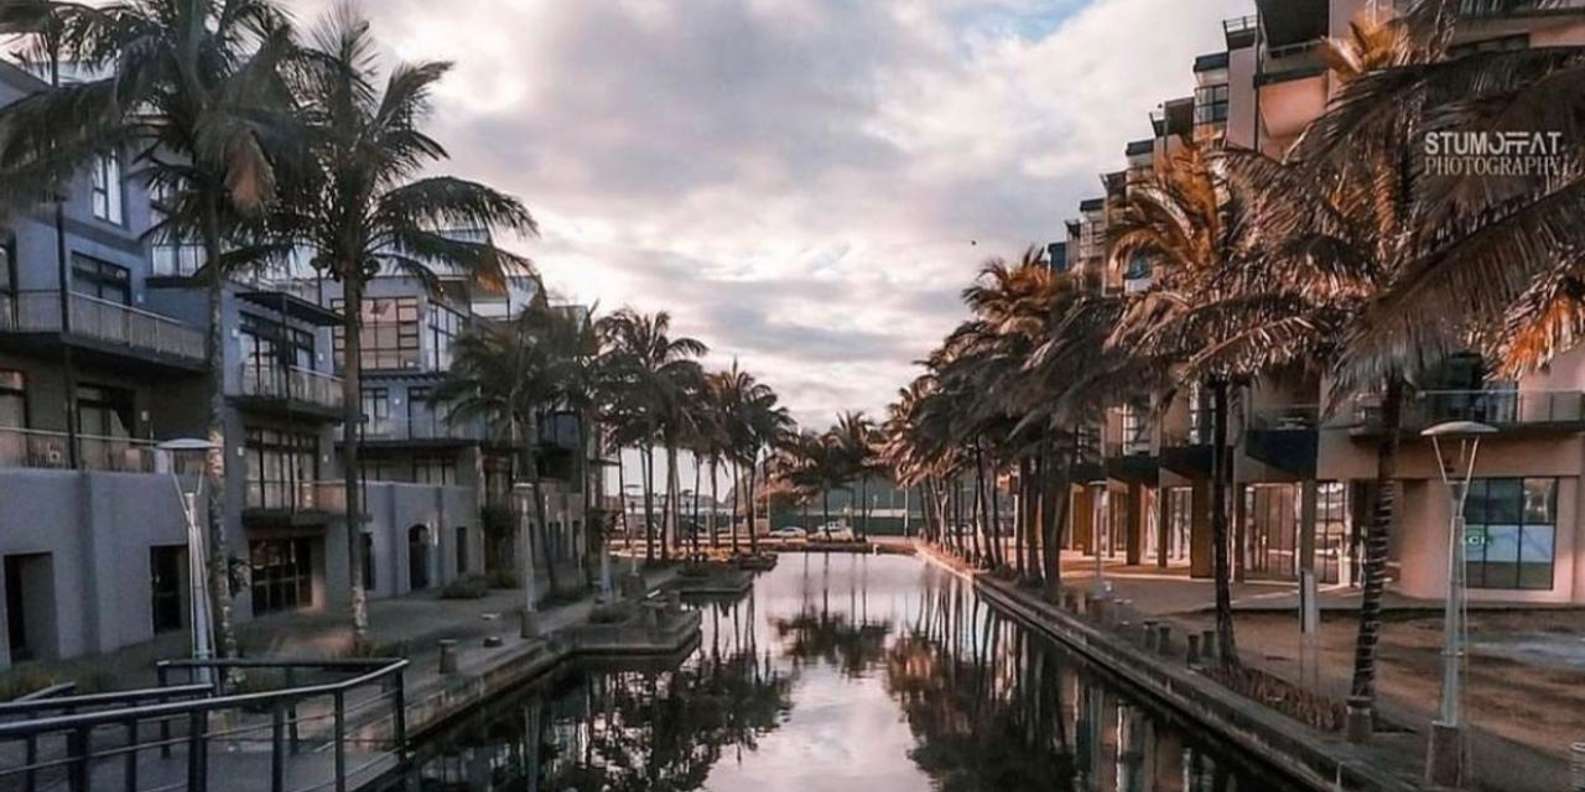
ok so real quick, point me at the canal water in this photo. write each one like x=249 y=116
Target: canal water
x=836 y=672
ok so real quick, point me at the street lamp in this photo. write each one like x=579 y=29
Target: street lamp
x=1445 y=755
x=201 y=622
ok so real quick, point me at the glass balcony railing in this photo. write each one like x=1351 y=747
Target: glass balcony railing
x=1498 y=408
x=329 y=497
x=1294 y=417
x=44 y=450
x=404 y=429
x=292 y=383
x=101 y=320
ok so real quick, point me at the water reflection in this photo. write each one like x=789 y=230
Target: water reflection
x=834 y=673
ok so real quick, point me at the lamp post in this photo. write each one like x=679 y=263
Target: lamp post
x=1445 y=757
x=201 y=623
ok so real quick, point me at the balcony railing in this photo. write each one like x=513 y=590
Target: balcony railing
x=292 y=383
x=34 y=448
x=404 y=429
x=297 y=496
x=102 y=320
x=1295 y=417
x=1499 y=408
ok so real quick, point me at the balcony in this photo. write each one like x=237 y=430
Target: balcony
x=109 y=330
x=1507 y=410
x=424 y=432
x=1186 y=450
x=293 y=503
x=1285 y=438
x=42 y=450
x=271 y=388
x=1131 y=460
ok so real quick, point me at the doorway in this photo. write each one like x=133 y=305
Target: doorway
x=30 y=606
x=418 y=558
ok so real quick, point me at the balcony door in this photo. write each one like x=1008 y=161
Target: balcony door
x=101 y=280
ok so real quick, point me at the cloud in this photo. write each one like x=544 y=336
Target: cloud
x=805 y=184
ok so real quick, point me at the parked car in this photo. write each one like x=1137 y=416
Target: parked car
x=789 y=532
x=837 y=532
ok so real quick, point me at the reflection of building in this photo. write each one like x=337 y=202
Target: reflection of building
x=92 y=540
x=1303 y=481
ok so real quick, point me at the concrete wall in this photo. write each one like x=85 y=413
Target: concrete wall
x=98 y=529
x=395 y=508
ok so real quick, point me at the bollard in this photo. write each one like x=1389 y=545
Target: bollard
x=1164 y=639
x=448 y=656
x=1126 y=630
x=633 y=586
x=1577 y=754
x=528 y=626
x=673 y=601
x=1150 y=635
x=1360 y=725
x=1208 y=644
x=1193 y=657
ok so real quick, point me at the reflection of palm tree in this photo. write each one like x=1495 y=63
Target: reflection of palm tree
x=833 y=638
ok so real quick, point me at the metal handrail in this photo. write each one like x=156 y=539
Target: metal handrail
x=72 y=703
x=291 y=382
x=77 y=729
x=390 y=666
x=39 y=311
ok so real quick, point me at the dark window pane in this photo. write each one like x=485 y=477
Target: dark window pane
x=1540 y=495
x=1504 y=500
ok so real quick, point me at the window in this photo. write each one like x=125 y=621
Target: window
x=444 y=325
x=376 y=410
x=435 y=470
x=166 y=568
x=390 y=334
x=282 y=575
x=101 y=279
x=1272 y=512
x=1180 y=521
x=462 y=550
x=1518 y=41
x=13 y=399
x=368 y=562
x=268 y=341
x=278 y=465
x=104 y=411
x=1210 y=104
x=8 y=275
x=1331 y=530
x=173 y=255
x=1509 y=533
x=107 y=188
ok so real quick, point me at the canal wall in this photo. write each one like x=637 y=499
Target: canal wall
x=1320 y=761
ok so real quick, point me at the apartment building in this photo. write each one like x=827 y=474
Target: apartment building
x=103 y=358
x=1303 y=478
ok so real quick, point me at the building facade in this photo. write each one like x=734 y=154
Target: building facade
x=103 y=356
x=1303 y=475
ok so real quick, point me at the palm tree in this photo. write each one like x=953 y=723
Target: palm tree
x=649 y=373
x=758 y=425
x=362 y=208
x=510 y=375
x=856 y=437
x=192 y=92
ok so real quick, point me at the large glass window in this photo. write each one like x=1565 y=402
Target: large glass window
x=101 y=279
x=1510 y=530
x=435 y=470
x=376 y=410
x=390 y=334
x=172 y=254
x=13 y=399
x=1331 y=530
x=283 y=577
x=1210 y=104
x=279 y=465
x=107 y=188
x=444 y=326
x=1272 y=512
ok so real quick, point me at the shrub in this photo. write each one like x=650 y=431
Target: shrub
x=503 y=579
x=609 y=614
x=22 y=681
x=470 y=587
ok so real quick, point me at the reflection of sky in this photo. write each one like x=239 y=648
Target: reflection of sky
x=843 y=733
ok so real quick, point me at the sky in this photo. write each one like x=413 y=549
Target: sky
x=805 y=185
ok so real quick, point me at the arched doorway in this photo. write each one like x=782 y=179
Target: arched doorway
x=418 y=558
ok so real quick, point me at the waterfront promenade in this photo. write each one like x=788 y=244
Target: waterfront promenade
x=1526 y=670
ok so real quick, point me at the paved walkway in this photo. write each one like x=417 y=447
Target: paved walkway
x=1526 y=681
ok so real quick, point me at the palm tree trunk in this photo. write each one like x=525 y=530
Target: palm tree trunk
x=1221 y=465
x=864 y=506
x=1374 y=565
x=215 y=457
x=646 y=465
x=715 y=500
x=1055 y=491
x=737 y=486
x=542 y=528
x=753 y=535
x=673 y=504
x=352 y=422
x=996 y=517
x=590 y=550
x=693 y=530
